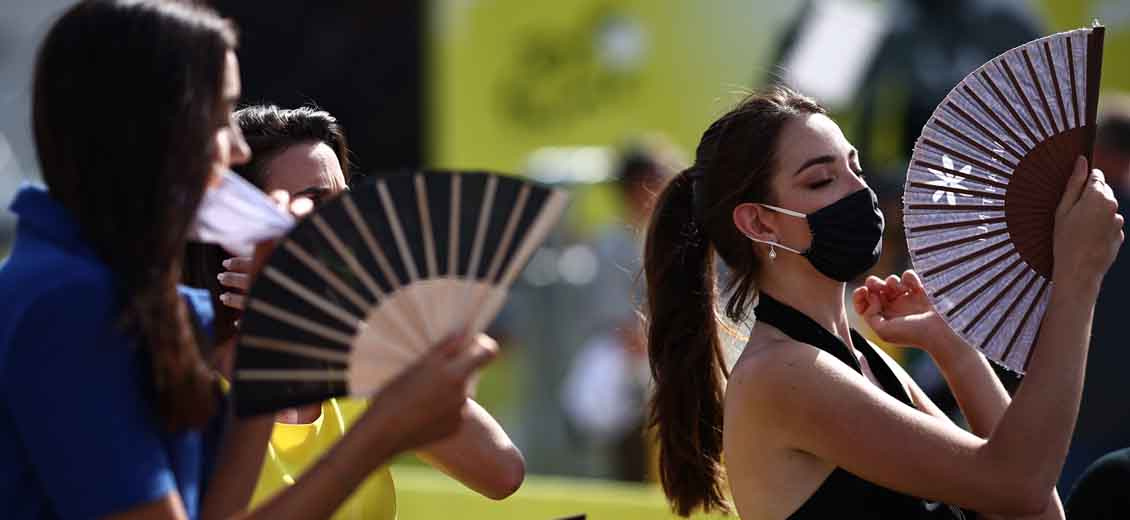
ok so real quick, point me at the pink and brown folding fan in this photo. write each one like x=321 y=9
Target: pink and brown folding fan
x=984 y=181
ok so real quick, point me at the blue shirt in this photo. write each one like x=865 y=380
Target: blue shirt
x=79 y=434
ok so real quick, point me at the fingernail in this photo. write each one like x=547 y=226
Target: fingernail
x=224 y=297
x=227 y=263
x=220 y=277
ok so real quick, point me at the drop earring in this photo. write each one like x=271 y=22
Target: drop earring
x=772 y=253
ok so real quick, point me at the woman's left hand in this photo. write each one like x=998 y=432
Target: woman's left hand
x=899 y=311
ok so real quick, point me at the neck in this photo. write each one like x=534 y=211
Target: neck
x=811 y=293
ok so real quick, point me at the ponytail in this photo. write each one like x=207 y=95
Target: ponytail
x=684 y=352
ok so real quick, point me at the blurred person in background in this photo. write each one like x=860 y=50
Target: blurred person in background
x=1104 y=414
x=109 y=409
x=813 y=420
x=605 y=390
x=303 y=152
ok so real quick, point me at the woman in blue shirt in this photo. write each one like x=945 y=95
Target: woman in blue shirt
x=105 y=402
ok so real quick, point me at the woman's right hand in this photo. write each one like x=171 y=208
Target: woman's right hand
x=424 y=403
x=1088 y=229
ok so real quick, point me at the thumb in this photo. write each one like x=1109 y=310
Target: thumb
x=1075 y=185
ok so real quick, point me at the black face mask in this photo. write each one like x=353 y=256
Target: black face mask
x=847 y=235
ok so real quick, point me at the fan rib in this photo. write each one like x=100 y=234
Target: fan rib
x=345 y=317
x=1055 y=83
x=973 y=274
x=1024 y=99
x=300 y=322
x=990 y=306
x=984 y=129
x=996 y=117
x=295 y=349
x=964 y=157
x=1040 y=90
x=426 y=224
x=308 y=375
x=453 y=225
x=1039 y=297
x=960 y=191
x=543 y=224
x=957 y=207
x=963 y=240
x=1051 y=144
x=965 y=258
x=972 y=142
x=481 y=227
x=1024 y=320
x=1074 y=87
x=326 y=275
x=346 y=255
x=1094 y=78
x=958 y=173
x=406 y=258
x=508 y=232
x=955 y=225
x=988 y=81
x=1008 y=312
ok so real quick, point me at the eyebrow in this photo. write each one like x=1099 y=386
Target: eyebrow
x=312 y=191
x=822 y=159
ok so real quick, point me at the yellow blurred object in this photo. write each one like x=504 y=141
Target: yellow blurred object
x=295 y=447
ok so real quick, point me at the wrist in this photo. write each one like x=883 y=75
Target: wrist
x=1071 y=282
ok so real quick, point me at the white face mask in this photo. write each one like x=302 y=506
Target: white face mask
x=237 y=215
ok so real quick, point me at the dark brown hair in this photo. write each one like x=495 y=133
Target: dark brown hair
x=127 y=97
x=693 y=220
x=269 y=130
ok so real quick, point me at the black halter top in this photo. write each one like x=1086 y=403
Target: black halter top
x=844 y=495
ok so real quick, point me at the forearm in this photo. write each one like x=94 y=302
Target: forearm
x=1036 y=429
x=479 y=454
x=979 y=393
x=239 y=462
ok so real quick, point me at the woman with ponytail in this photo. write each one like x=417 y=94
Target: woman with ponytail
x=813 y=420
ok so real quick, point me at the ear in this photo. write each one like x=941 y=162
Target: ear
x=755 y=221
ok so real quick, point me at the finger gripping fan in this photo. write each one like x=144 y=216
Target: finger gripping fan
x=362 y=287
x=984 y=181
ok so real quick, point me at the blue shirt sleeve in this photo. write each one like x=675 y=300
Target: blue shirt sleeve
x=77 y=389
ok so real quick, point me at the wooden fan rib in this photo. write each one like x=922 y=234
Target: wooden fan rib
x=426 y=224
x=966 y=158
x=326 y=275
x=1074 y=86
x=1094 y=78
x=960 y=191
x=292 y=375
x=995 y=116
x=958 y=173
x=346 y=255
x=1019 y=91
x=550 y=212
x=973 y=274
x=990 y=306
x=1037 y=302
x=345 y=317
x=1024 y=320
x=1008 y=312
x=957 y=207
x=1040 y=90
x=481 y=226
x=955 y=225
x=984 y=129
x=453 y=225
x=995 y=89
x=508 y=232
x=294 y=320
x=965 y=258
x=1055 y=82
x=954 y=132
x=294 y=349
x=960 y=241
x=406 y=258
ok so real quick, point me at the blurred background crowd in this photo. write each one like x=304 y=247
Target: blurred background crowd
x=607 y=98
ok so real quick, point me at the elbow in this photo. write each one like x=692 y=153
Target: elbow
x=510 y=475
x=1027 y=496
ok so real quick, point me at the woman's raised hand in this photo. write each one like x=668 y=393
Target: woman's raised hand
x=899 y=311
x=1088 y=229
